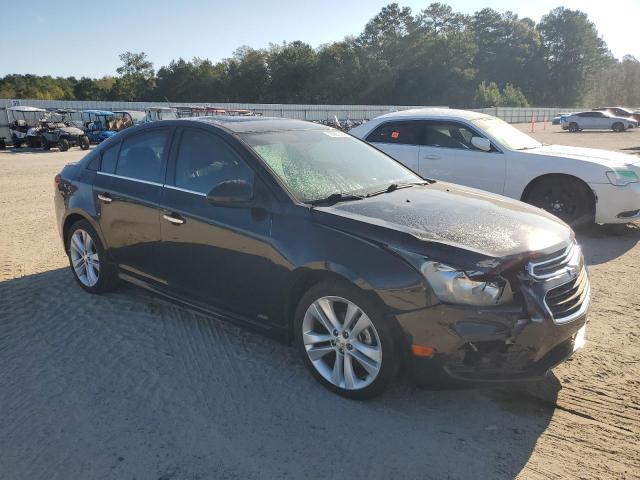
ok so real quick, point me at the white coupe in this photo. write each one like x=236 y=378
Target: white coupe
x=579 y=185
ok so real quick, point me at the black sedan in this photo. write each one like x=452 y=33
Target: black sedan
x=310 y=235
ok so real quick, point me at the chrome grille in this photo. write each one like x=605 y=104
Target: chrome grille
x=557 y=263
x=570 y=298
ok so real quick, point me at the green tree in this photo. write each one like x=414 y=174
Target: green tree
x=136 y=78
x=487 y=95
x=513 y=97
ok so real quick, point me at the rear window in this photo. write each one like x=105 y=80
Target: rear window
x=141 y=156
x=405 y=133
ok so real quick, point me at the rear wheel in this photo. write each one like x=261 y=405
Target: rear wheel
x=573 y=127
x=84 y=142
x=565 y=197
x=63 y=145
x=618 y=127
x=45 y=144
x=87 y=259
x=345 y=341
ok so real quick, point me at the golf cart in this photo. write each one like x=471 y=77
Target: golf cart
x=57 y=130
x=24 y=125
x=199 y=111
x=127 y=118
x=98 y=125
x=160 y=113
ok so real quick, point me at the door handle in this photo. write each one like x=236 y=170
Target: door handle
x=105 y=197
x=173 y=218
x=431 y=157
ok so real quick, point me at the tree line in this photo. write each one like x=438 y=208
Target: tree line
x=436 y=56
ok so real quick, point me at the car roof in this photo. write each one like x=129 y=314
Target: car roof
x=24 y=108
x=257 y=124
x=421 y=113
x=98 y=112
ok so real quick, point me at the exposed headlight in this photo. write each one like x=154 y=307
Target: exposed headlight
x=455 y=286
x=622 y=177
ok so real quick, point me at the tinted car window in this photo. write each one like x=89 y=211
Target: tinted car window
x=405 y=133
x=141 y=156
x=205 y=160
x=109 y=159
x=449 y=135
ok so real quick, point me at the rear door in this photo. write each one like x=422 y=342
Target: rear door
x=218 y=256
x=401 y=140
x=449 y=155
x=128 y=190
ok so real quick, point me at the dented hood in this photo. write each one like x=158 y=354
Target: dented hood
x=593 y=155
x=461 y=225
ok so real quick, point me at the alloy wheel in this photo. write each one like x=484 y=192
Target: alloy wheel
x=342 y=343
x=84 y=258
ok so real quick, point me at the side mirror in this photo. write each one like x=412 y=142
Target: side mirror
x=231 y=193
x=481 y=144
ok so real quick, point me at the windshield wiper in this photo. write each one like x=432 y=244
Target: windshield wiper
x=335 y=198
x=395 y=186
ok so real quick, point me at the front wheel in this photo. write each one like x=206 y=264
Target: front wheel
x=63 y=145
x=573 y=127
x=45 y=144
x=345 y=341
x=618 y=127
x=565 y=197
x=87 y=259
x=84 y=142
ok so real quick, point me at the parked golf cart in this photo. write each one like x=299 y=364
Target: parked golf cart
x=127 y=118
x=199 y=111
x=24 y=125
x=98 y=125
x=3 y=145
x=153 y=114
x=57 y=130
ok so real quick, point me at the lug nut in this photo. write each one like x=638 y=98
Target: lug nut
x=345 y=334
x=335 y=333
x=349 y=346
x=341 y=350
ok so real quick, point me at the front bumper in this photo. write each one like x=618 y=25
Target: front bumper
x=503 y=343
x=616 y=204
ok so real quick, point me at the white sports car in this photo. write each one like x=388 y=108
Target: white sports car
x=579 y=185
x=596 y=121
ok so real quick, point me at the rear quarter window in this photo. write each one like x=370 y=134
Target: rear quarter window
x=110 y=159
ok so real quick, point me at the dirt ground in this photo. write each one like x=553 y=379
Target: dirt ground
x=128 y=386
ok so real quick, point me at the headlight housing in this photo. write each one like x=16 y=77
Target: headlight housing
x=453 y=285
x=621 y=178
x=456 y=286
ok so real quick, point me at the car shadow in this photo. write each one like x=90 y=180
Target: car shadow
x=603 y=243
x=128 y=385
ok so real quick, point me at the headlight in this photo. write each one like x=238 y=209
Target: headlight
x=455 y=286
x=622 y=177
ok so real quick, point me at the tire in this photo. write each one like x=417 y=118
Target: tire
x=618 y=127
x=16 y=142
x=63 y=145
x=45 y=144
x=84 y=142
x=87 y=259
x=573 y=127
x=565 y=197
x=336 y=350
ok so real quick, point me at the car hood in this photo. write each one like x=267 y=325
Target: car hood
x=440 y=220
x=602 y=157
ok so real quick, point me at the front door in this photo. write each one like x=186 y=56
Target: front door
x=449 y=155
x=218 y=256
x=128 y=190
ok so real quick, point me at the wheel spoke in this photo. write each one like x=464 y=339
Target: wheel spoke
x=372 y=352
x=362 y=323
x=319 y=315
x=337 y=376
x=350 y=378
x=350 y=316
x=77 y=262
x=326 y=306
x=76 y=243
x=369 y=365
x=313 y=338
x=91 y=275
x=316 y=353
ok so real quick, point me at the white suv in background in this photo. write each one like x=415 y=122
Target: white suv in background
x=579 y=185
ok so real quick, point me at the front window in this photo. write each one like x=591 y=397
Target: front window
x=314 y=164
x=505 y=134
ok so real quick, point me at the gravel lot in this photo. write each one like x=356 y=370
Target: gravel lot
x=128 y=386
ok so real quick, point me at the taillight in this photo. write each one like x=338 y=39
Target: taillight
x=57 y=179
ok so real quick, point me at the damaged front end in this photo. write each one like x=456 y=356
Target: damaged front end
x=539 y=326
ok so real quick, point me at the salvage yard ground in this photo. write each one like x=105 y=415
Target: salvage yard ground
x=128 y=386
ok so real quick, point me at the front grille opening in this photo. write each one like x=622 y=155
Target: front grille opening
x=556 y=263
x=567 y=299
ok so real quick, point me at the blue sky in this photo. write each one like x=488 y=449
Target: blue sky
x=88 y=37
